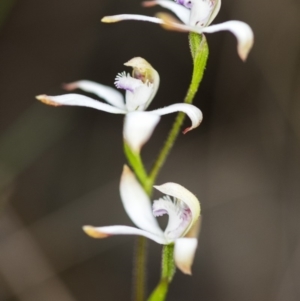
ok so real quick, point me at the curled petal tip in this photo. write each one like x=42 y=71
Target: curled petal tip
x=193 y=112
x=187 y=130
x=47 y=100
x=70 y=86
x=92 y=232
x=149 y=3
x=245 y=48
x=244 y=51
x=242 y=32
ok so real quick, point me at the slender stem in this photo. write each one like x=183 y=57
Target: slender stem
x=140 y=273
x=167 y=274
x=138 y=168
x=199 y=50
x=168 y=265
x=141 y=245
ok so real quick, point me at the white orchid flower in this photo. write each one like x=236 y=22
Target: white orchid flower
x=140 y=89
x=180 y=204
x=195 y=16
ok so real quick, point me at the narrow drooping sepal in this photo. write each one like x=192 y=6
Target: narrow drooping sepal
x=136 y=203
x=138 y=128
x=110 y=95
x=184 y=253
x=79 y=100
x=107 y=231
x=242 y=32
x=193 y=113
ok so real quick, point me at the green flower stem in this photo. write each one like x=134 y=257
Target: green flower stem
x=141 y=245
x=140 y=259
x=167 y=274
x=138 y=167
x=140 y=269
x=199 y=50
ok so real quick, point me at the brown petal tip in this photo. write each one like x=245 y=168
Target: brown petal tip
x=149 y=3
x=92 y=232
x=47 y=100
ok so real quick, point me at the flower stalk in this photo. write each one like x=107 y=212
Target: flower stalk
x=167 y=274
x=140 y=269
x=199 y=51
x=137 y=165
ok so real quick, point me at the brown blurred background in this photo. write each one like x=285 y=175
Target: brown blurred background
x=60 y=167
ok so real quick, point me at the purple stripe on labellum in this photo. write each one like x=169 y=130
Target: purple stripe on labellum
x=126 y=82
x=186 y=3
x=180 y=215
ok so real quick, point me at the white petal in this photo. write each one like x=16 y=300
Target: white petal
x=110 y=95
x=201 y=12
x=179 y=192
x=180 y=11
x=242 y=32
x=103 y=232
x=204 y=10
x=193 y=112
x=184 y=253
x=138 y=128
x=137 y=204
x=139 y=98
x=118 y=18
x=78 y=100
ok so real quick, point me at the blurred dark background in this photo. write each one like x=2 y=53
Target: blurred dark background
x=60 y=167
